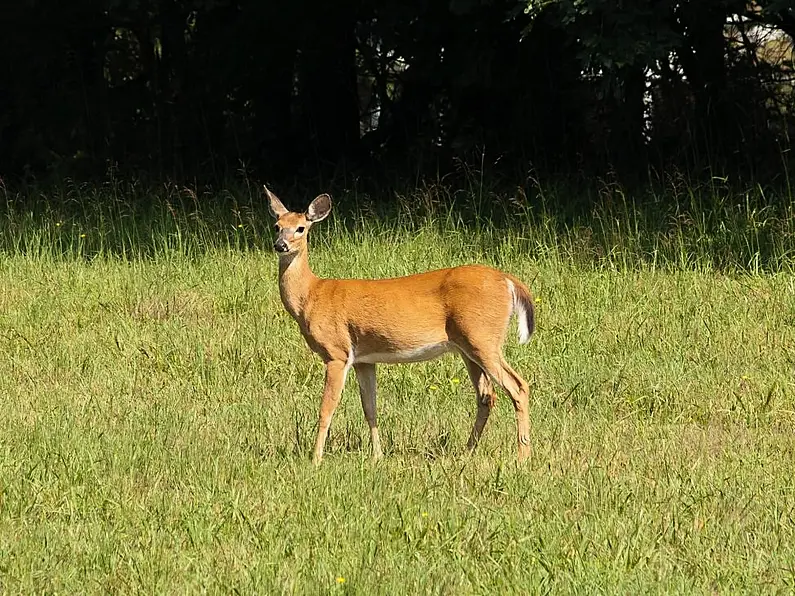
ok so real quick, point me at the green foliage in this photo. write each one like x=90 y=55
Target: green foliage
x=196 y=89
x=614 y=35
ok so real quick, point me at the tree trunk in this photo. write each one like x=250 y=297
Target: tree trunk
x=703 y=59
x=627 y=129
x=327 y=80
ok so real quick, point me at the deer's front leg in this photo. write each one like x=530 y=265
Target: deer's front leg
x=365 y=374
x=336 y=372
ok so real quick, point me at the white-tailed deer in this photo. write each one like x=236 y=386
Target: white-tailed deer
x=358 y=323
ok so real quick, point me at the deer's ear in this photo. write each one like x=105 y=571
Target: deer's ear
x=274 y=204
x=319 y=209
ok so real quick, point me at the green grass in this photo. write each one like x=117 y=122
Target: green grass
x=158 y=405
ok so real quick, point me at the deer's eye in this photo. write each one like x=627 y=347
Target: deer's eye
x=299 y=230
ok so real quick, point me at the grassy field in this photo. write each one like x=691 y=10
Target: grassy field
x=159 y=406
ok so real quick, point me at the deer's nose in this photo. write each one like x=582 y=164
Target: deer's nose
x=280 y=246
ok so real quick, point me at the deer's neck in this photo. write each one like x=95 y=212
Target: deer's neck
x=295 y=282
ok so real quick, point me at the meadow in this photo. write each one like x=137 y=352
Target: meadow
x=159 y=405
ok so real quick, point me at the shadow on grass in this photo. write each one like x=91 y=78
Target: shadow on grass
x=667 y=225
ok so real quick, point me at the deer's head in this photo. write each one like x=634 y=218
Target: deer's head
x=291 y=227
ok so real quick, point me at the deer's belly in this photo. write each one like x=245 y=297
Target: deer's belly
x=420 y=354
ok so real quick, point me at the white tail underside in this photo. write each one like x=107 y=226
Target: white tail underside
x=522 y=315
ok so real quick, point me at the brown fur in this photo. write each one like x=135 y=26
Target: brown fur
x=353 y=322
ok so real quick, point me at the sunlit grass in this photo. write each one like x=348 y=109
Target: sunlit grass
x=159 y=406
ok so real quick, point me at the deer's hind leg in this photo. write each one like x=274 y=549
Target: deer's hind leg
x=490 y=360
x=485 y=397
x=518 y=389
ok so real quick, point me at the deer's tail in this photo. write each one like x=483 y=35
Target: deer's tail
x=523 y=307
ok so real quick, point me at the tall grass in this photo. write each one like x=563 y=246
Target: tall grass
x=674 y=225
x=159 y=406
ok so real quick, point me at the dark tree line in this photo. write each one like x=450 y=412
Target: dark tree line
x=195 y=88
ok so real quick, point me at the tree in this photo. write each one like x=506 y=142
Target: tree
x=194 y=88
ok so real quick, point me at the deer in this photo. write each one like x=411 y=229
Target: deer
x=358 y=323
